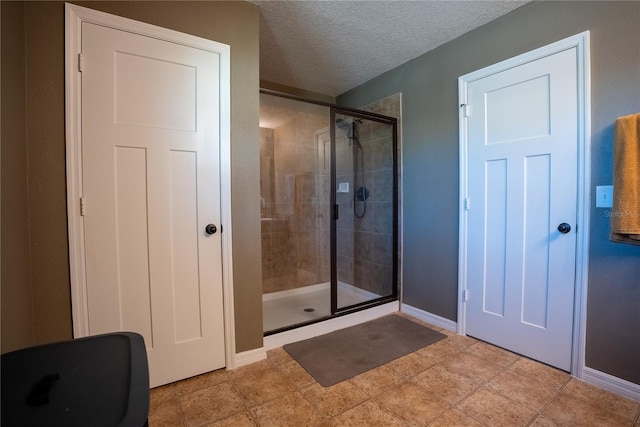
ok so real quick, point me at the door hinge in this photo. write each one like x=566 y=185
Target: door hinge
x=467 y=203
x=465 y=295
x=80 y=62
x=466 y=110
x=83 y=206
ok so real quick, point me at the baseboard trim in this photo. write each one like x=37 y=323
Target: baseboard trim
x=425 y=316
x=247 y=357
x=324 y=327
x=610 y=383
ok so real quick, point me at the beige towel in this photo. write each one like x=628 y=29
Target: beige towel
x=625 y=216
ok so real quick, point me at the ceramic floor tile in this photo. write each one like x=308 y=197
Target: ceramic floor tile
x=250 y=369
x=448 y=386
x=296 y=374
x=532 y=394
x=440 y=350
x=278 y=356
x=165 y=414
x=377 y=380
x=539 y=372
x=262 y=386
x=458 y=381
x=454 y=418
x=162 y=394
x=471 y=366
x=334 y=400
x=241 y=419
x=459 y=342
x=411 y=364
x=210 y=404
x=602 y=399
x=412 y=404
x=569 y=410
x=498 y=356
x=542 y=421
x=288 y=410
x=367 y=414
x=492 y=409
x=201 y=381
x=429 y=355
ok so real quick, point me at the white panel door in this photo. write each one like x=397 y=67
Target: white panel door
x=522 y=184
x=150 y=138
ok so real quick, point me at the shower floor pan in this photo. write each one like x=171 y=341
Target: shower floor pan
x=291 y=307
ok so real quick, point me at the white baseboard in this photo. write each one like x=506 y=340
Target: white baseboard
x=247 y=357
x=610 y=383
x=425 y=316
x=320 y=328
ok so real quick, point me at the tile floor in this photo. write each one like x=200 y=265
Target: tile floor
x=457 y=381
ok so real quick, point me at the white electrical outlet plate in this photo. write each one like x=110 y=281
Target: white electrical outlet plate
x=604 y=196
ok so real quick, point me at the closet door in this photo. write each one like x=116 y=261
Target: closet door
x=150 y=146
x=522 y=179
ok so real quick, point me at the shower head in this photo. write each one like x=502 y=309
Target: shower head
x=345 y=126
x=349 y=126
x=343 y=123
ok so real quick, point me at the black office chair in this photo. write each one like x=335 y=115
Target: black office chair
x=101 y=380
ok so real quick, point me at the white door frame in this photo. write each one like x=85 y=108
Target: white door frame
x=581 y=43
x=74 y=17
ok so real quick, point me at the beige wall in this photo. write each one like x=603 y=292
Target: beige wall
x=233 y=23
x=17 y=307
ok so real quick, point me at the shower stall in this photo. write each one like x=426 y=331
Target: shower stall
x=329 y=217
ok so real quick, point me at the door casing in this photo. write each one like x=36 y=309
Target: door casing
x=74 y=17
x=581 y=43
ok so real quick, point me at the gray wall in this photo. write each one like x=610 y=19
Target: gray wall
x=430 y=155
x=233 y=23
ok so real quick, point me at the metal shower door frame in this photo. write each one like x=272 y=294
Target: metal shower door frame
x=333 y=110
x=358 y=114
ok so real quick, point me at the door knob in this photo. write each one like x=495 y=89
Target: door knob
x=210 y=229
x=564 y=228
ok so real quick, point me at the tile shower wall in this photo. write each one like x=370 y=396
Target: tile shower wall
x=365 y=245
x=295 y=203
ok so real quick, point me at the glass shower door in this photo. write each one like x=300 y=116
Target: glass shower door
x=328 y=202
x=365 y=214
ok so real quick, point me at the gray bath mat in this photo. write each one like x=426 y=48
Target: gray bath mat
x=345 y=353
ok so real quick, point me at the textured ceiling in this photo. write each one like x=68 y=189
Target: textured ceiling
x=330 y=47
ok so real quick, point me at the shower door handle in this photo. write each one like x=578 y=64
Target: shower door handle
x=336 y=213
